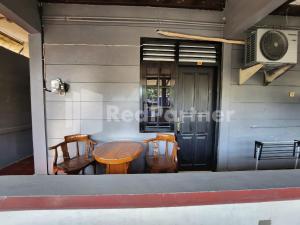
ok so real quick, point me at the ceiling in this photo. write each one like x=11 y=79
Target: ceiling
x=193 y=4
x=295 y=2
x=291 y=8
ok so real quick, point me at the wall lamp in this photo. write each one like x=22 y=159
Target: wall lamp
x=58 y=87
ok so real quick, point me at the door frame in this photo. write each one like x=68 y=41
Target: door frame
x=216 y=103
x=218 y=83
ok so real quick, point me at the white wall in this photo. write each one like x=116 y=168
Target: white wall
x=267 y=213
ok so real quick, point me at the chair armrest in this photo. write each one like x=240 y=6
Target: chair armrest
x=55 y=146
x=174 y=152
x=56 y=153
x=93 y=142
x=149 y=140
x=90 y=149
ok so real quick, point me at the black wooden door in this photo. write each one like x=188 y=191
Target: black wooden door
x=195 y=105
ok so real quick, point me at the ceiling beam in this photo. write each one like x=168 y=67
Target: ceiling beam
x=14 y=46
x=13 y=37
x=240 y=15
x=13 y=30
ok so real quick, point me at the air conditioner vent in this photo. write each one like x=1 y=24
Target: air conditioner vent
x=271 y=47
x=274 y=45
x=250 y=55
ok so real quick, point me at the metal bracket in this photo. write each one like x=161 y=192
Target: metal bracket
x=269 y=77
x=246 y=74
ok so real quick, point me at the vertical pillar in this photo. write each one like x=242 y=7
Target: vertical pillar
x=38 y=104
x=225 y=108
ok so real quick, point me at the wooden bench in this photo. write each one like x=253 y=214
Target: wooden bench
x=276 y=150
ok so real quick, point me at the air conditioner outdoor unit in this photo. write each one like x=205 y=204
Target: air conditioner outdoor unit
x=271 y=47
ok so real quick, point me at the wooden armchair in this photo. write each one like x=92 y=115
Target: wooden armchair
x=79 y=162
x=162 y=161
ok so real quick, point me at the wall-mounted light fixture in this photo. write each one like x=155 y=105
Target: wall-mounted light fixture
x=58 y=87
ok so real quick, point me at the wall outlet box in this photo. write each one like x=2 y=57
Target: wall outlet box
x=292 y=94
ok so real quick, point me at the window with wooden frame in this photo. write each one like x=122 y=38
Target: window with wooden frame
x=158 y=81
x=158 y=97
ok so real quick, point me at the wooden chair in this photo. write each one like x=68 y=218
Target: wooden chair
x=79 y=162
x=166 y=162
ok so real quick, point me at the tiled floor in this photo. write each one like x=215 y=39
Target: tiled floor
x=23 y=167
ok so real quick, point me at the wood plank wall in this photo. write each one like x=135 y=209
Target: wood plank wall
x=264 y=113
x=15 y=111
x=100 y=58
x=96 y=50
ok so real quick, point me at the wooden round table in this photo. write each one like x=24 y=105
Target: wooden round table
x=117 y=155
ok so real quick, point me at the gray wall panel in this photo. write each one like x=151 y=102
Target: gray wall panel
x=237 y=56
x=92 y=55
x=108 y=110
x=132 y=12
x=15 y=110
x=109 y=35
x=94 y=73
x=265 y=130
x=243 y=133
x=263 y=111
x=63 y=110
x=266 y=94
x=15 y=146
x=60 y=128
x=100 y=61
x=290 y=78
x=109 y=130
x=99 y=92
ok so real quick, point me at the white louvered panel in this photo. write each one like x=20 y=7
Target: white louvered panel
x=196 y=53
x=197 y=60
x=159 y=52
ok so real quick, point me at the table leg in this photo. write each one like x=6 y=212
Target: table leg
x=117 y=168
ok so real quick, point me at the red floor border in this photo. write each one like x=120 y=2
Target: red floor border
x=147 y=200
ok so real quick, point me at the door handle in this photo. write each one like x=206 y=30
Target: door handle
x=178 y=125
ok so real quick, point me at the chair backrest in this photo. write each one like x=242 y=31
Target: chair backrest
x=76 y=138
x=165 y=142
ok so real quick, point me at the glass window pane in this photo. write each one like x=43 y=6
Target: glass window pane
x=165 y=81
x=151 y=95
x=164 y=97
x=151 y=82
x=157 y=96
